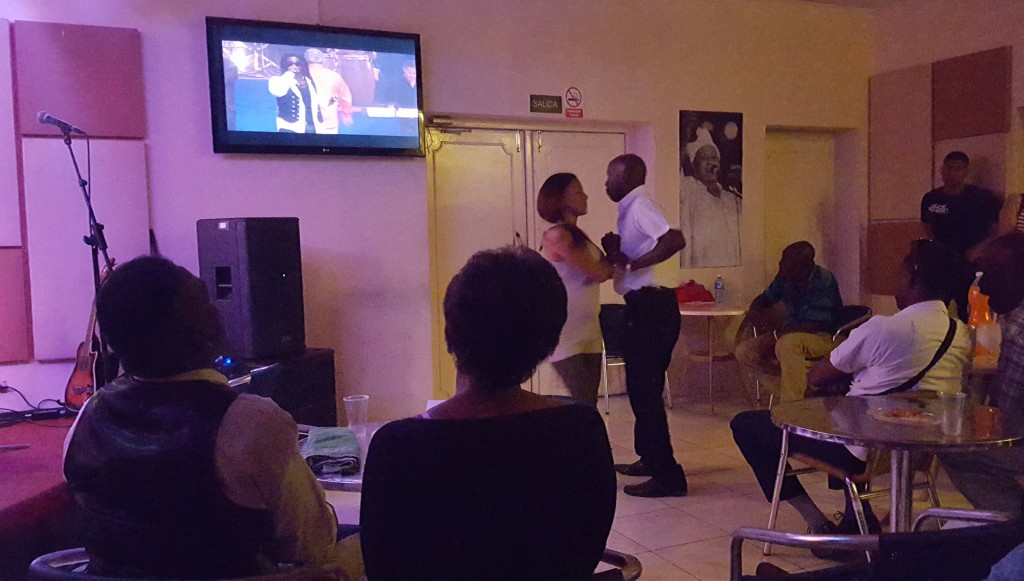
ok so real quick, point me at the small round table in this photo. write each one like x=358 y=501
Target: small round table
x=710 y=310
x=846 y=420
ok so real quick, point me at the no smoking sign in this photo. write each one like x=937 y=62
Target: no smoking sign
x=573 y=100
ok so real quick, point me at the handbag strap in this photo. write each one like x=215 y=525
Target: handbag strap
x=946 y=342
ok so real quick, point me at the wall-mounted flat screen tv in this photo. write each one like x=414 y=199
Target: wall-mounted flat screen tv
x=292 y=88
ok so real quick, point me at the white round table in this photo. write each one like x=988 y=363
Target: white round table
x=710 y=310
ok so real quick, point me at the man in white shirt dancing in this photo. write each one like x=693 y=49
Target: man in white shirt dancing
x=640 y=250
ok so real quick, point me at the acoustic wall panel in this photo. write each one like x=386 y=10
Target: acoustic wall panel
x=59 y=262
x=971 y=94
x=988 y=155
x=14 y=327
x=900 y=152
x=90 y=76
x=888 y=244
x=10 y=213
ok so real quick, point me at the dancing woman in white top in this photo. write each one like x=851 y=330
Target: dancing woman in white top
x=582 y=267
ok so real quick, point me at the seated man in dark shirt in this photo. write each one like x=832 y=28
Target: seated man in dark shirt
x=811 y=296
x=179 y=476
x=496 y=483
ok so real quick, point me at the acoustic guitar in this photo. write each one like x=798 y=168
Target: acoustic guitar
x=88 y=364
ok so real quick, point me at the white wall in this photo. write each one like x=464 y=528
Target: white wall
x=364 y=221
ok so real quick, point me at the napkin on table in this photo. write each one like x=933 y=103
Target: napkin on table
x=331 y=451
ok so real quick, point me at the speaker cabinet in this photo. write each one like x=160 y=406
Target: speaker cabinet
x=252 y=268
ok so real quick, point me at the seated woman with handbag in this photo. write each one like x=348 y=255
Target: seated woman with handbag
x=496 y=482
x=918 y=348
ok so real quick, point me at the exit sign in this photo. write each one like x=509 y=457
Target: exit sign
x=545 y=104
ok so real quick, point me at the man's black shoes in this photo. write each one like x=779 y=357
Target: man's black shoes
x=654 y=488
x=848 y=524
x=635 y=469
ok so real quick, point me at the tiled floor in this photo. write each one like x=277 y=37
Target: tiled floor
x=682 y=539
x=688 y=538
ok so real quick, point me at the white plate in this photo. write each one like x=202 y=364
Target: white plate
x=922 y=419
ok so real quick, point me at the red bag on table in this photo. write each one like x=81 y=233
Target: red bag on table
x=693 y=292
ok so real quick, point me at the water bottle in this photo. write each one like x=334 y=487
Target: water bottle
x=719 y=289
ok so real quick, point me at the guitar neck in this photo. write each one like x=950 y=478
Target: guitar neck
x=92 y=325
x=91 y=329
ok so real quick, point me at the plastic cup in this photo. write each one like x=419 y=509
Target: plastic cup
x=954 y=407
x=357 y=409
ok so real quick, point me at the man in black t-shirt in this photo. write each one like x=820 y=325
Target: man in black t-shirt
x=959 y=214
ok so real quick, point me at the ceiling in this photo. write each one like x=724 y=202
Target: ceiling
x=858 y=3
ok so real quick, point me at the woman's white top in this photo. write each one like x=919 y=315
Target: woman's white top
x=582 y=331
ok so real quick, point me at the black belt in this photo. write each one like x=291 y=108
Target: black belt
x=650 y=291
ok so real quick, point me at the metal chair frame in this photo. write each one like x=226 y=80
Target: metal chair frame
x=617 y=361
x=627 y=567
x=62 y=565
x=858 y=486
x=867 y=543
x=614 y=361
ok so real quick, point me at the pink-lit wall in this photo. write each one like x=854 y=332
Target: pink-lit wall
x=364 y=221
x=918 y=32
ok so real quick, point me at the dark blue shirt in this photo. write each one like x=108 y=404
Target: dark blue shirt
x=961 y=220
x=818 y=303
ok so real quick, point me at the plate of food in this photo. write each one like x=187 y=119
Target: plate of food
x=904 y=416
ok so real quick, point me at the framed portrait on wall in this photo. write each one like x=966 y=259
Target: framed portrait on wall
x=710 y=188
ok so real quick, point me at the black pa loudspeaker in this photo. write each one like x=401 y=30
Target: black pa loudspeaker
x=252 y=269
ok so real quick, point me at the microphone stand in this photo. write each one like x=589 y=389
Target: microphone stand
x=97 y=242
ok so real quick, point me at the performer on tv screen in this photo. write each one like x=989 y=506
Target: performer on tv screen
x=298 y=106
x=336 y=98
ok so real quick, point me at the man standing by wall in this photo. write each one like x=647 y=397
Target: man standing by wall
x=960 y=215
x=640 y=250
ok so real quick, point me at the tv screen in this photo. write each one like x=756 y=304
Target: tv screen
x=292 y=88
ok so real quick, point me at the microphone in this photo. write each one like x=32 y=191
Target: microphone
x=65 y=127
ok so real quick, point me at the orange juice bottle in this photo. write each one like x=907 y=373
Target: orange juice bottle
x=979 y=313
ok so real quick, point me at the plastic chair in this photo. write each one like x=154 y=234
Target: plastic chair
x=858 y=486
x=64 y=566
x=850 y=317
x=962 y=553
x=612 y=318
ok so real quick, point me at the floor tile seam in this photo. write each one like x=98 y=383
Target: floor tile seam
x=673 y=565
x=666 y=507
x=644 y=511
x=707 y=522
